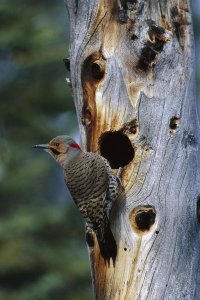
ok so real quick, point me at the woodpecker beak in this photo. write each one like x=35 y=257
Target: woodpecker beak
x=42 y=146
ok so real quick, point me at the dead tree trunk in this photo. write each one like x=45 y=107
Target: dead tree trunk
x=133 y=83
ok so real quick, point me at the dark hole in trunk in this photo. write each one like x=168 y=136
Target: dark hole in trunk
x=116 y=148
x=145 y=219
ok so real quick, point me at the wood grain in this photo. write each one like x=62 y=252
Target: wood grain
x=143 y=53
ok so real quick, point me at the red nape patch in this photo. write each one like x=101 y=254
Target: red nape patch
x=75 y=146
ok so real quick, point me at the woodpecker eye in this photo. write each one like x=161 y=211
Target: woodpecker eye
x=57 y=144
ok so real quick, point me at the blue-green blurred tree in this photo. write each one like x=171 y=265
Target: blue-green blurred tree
x=42 y=250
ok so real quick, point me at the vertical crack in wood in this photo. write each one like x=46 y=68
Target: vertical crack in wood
x=198 y=209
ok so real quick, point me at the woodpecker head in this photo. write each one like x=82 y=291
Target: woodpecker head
x=62 y=148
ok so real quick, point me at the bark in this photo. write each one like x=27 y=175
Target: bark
x=133 y=84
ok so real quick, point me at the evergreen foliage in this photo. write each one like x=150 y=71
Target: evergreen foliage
x=42 y=250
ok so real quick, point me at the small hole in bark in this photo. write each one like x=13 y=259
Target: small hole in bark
x=157 y=36
x=174 y=123
x=134 y=37
x=93 y=69
x=89 y=239
x=131 y=127
x=166 y=285
x=157 y=33
x=97 y=71
x=116 y=148
x=67 y=63
x=157 y=231
x=198 y=209
x=142 y=218
x=125 y=249
x=147 y=56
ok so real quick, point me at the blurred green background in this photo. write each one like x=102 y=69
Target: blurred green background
x=43 y=255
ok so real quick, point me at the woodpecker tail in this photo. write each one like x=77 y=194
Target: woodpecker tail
x=107 y=243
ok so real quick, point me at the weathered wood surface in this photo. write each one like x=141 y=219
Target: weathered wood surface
x=130 y=76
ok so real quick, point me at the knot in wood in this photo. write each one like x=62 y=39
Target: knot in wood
x=157 y=32
x=142 y=218
x=174 y=123
x=93 y=70
x=131 y=127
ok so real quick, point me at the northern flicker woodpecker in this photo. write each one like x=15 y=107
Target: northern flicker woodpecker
x=93 y=187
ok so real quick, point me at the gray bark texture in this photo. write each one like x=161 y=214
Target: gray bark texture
x=132 y=73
